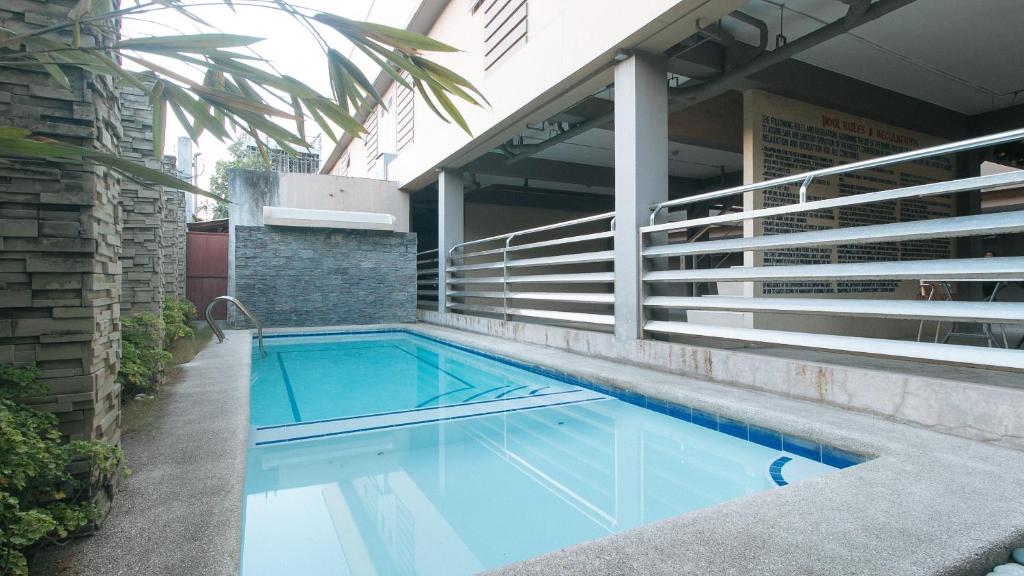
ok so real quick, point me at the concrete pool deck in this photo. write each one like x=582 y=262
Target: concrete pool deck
x=928 y=504
x=180 y=510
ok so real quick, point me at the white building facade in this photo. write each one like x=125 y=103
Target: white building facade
x=601 y=110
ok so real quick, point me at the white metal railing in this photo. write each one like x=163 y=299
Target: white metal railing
x=427 y=266
x=561 y=273
x=674 y=288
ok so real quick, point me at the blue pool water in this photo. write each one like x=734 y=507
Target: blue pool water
x=316 y=378
x=426 y=459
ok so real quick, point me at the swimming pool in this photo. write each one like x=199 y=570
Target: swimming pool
x=393 y=453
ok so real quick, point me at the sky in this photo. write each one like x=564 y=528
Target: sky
x=289 y=46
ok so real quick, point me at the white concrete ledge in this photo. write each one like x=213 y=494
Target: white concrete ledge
x=309 y=218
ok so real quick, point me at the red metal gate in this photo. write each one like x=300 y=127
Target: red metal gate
x=206 y=270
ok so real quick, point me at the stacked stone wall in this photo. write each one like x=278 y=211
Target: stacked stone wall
x=153 y=242
x=142 y=241
x=174 y=229
x=321 y=277
x=60 y=234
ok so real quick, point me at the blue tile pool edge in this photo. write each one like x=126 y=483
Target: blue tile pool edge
x=775 y=469
x=767 y=437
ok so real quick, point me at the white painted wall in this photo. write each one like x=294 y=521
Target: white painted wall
x=324 y=192
x=568 y=55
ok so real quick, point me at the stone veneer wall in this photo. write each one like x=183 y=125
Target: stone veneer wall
x=320 y=277
x=173 y=227
x=153 y=242
x=60 y=229
x=142 y=240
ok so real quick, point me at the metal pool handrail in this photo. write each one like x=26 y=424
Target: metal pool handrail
x=806 y=178
x=555 y=226
x=220 y=333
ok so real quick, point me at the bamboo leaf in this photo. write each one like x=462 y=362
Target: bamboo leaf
x=54 y=70
x=16 y=143
x=335 y=114
x=430 y=103
x=300 y=122
x=115 y=69
x=199 y=112
x=450 y=108
x=356 y=74
x=251 y=73
x=159 y=104
x=222 y=97
x=233 y=102
x=183 y=119
x=12 y=133
x=448 y=74
x=81 y=8
x=385 y=66
x=400 y=38
x=404 y=39
x=323 y=124
x=194 y=43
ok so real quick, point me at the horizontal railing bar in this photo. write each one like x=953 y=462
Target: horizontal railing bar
x=580 y=258
x=427 y=271
x=482 y=266
x=555 y=226
x=582 y=317
x=426 y=292
x=430 y=261
x=953 y=311
x=965 y=268
x=560 y=241
x=956 y=227
x=479 y=280
x=545 y=243
x=933 y=189
x=476 y=308
x=970 y=144
x=582 y=277
x=429 y=282
x=946 y=353
x=431 y=251
x=577 y=297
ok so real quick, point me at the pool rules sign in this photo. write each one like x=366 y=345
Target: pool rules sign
x=784 y=137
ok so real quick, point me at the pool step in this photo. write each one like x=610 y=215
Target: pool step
x=263 y=435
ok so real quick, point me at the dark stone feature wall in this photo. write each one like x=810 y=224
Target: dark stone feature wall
x=319 y=277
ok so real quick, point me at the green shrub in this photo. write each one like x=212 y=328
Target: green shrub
x=142 y=353
x=39 y=499
x=178 y=315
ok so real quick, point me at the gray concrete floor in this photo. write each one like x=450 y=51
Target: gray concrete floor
x=928 y=504
x=180 y=510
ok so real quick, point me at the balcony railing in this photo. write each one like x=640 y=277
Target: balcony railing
x=427 y=266
x=676 y=290
x=558 y=274
x=701 y=279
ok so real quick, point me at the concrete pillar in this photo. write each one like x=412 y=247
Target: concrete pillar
x=449 y=225
x=641 y=174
